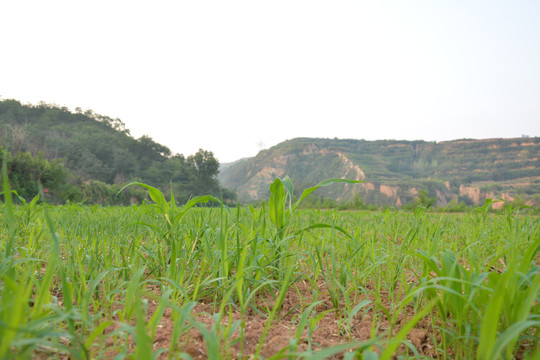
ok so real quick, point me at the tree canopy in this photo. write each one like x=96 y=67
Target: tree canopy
x=59 y=148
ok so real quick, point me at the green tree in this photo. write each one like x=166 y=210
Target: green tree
x=203 y=169
x=148 y=151
x=425 y=200
x=25 y=172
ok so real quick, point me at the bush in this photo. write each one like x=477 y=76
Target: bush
x=26 y=172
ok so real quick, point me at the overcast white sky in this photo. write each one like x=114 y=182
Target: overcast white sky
x=228 y=76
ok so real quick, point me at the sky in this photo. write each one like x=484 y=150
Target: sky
x=234 y=77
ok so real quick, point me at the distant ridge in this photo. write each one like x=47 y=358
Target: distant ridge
x=466 y=170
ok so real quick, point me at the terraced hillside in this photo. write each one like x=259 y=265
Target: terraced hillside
x=394 y=171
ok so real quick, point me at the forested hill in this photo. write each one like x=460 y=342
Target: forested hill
x=78 y=153
x=395 y=171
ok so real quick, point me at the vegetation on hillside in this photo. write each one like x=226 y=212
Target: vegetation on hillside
x=395 y=171
x=85 y=156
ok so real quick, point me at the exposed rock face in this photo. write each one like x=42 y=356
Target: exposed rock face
x=394 y=171
x=357 y=173
x=441 y=198
x=471 y=192
x=390 y=191
x=368 y=186
x=478 y=196
x=259 y=175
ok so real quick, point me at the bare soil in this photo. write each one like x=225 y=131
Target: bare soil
x=328 y=331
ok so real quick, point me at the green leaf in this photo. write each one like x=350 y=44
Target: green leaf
x=194 y=201
x=325 y=226
x=98 y=331
x=288 y=185
x=143 y=341
x=34 y=200
x=276 y=203
x=302 y=323
x=327 y=182
x=490 y=322
x=528 y=257
x=402 y=334
x=509 y=336
x=336 y=349
x=155 y=195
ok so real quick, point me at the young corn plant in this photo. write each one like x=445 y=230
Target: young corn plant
x=512 y=307
x=485 y=314
x=281 y=209
x=173 y=215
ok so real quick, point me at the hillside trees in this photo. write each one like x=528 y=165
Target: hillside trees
x=192 y=176
x=204 y=168
x=148 y=151
x=95 y=154
x=422 y=200
x=26 y=172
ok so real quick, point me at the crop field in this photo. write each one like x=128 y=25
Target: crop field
x=192 y=282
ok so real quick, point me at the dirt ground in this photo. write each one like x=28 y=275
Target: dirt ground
x=327 y=333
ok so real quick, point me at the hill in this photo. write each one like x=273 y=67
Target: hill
x=96 y=151
x=395 y=171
